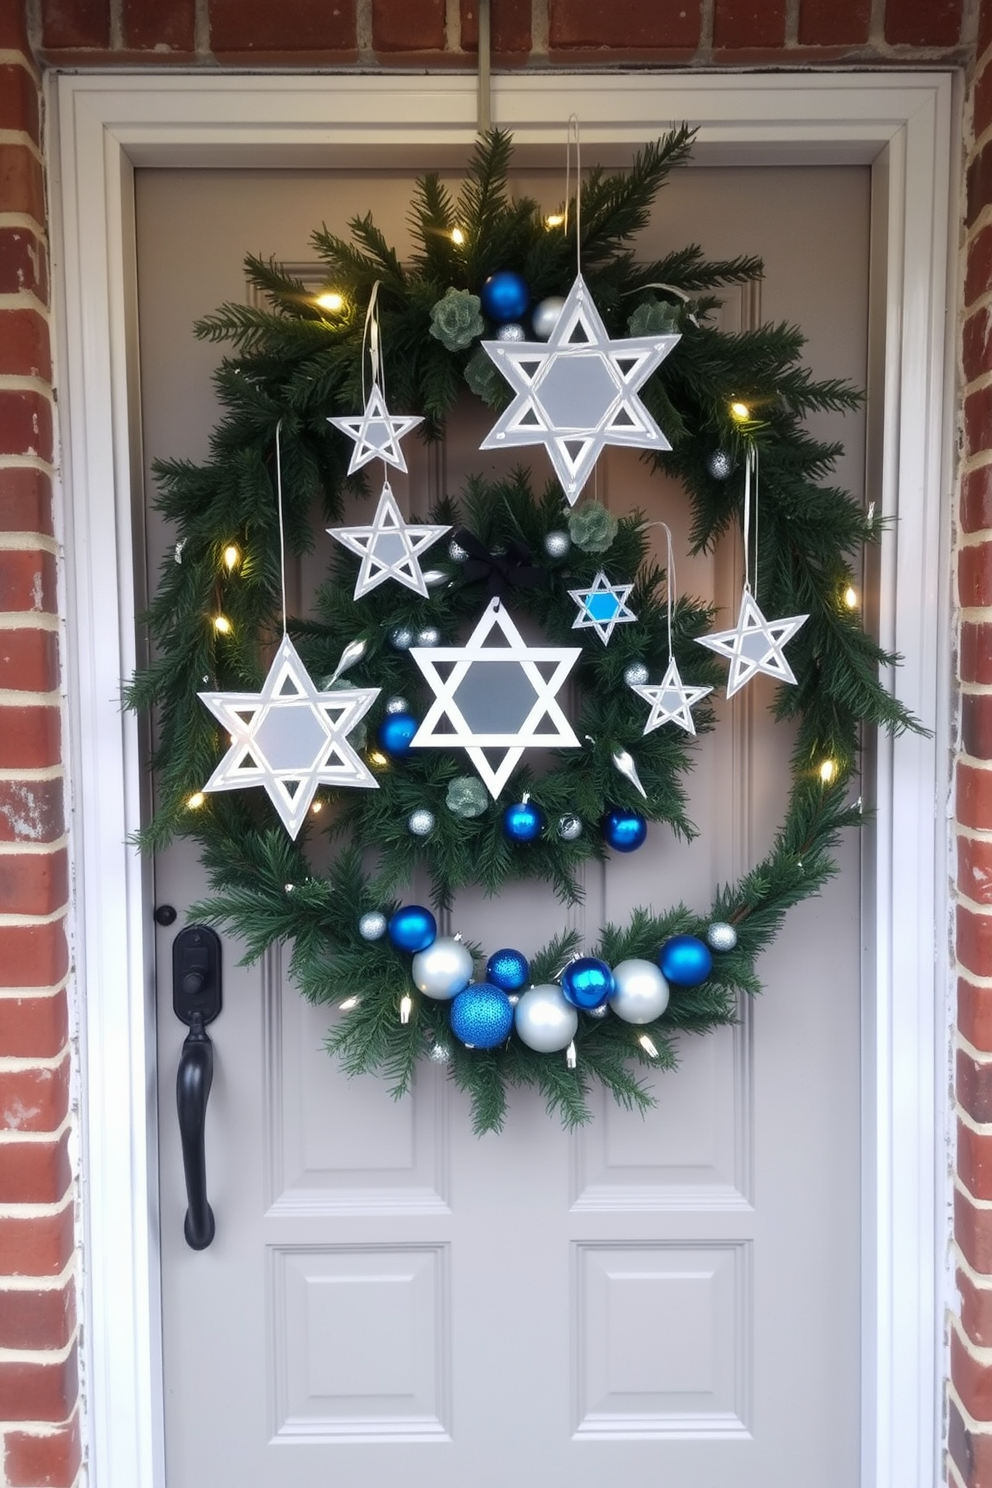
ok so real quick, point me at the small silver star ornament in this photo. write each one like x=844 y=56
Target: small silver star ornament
x=754 y=645
x=671 y=701
x=376 y=432
x=602 y=606
x=289 y=738
x=389 y=547
x=578 y=391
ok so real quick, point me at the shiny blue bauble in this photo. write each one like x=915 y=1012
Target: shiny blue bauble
x=685 y=960
x=522 y=822
x=505 y=296
x=507 y=969
x=396 y=732
x=412 y=928
x=587 y=982
x=481 y=1016
x=624 y=830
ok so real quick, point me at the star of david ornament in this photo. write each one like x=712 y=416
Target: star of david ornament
x=389 y=547
x=376 y=432
x=754 y=645
x=602 y=606
x=495 y=695
x=290 y=738
x=671 y=701
x=577 y=392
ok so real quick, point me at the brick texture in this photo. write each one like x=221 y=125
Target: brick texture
x=639 y=24
x=415 y=26
x=51 y=1459
x=168 y=25
x=740 y=24
x=254 y=30
x=923 y=23
x=509 y=27
x=834 y=22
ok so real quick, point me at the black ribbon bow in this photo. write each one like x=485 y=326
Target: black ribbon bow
x=512 y=568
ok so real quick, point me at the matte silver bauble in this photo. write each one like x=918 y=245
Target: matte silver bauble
x=397 y=705
x=429 y=636
x=557 y=544
x=546 y=315
x=443 y=970
x=401 y=637
x=511 y=331
x=641 y=992
x=420 y=822
x=569 y=828
x=599 y=1012
x=456 y=552
x=636 y=675
x=372 y=926
x=721 y=936
x=544 y=1020
x=719 y=464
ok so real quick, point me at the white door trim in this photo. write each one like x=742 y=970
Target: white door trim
x=903 y=124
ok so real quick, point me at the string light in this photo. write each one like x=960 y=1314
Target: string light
x=232 y=557
x=828 y=771
x=379 y=760
x=195 y=801
x=406 y=1007
x=317 y=808
x=331 y=300
x=571 y=1058
x=222 y=625
x=349 y=1003
x=457 y=236
x=740 y=412
x=648 y=1046
x=851 y=597
x=556 y=219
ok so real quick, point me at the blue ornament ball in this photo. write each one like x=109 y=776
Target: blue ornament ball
x=522 y=822
x=412 y=928
x=685 y=960
x=587 y=982
x=481 y=1016
x=625 y=831
x=508 y=969
x=505 y=296
x=395 y=733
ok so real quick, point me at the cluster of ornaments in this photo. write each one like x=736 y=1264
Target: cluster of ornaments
x=546 y=1017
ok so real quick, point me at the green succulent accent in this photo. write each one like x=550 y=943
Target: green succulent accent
x=592 y=528
x=456 y=319
x=654 y=319
x=467 y=796
x=482 y=376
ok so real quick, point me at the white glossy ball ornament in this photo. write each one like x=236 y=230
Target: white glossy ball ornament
x=544 y=1020
x=420 y=822
x=372 y=926
x=511 y=331
x=721 y=936
x=641 y=992
x=557 y=544
x=636 y=675
x=546 y=316
x=443 y=970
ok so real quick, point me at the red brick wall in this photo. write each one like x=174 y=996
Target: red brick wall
x=38 y=1390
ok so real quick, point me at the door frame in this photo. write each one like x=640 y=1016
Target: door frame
x=905 y=127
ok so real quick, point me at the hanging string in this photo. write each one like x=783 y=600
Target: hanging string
x=750 y=471
x=282 y=535
x=672 y=594
x=572 y=136
x=370 y=344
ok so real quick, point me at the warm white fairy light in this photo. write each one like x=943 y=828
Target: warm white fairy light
x=851 y=597
x=349 y=1003
x=571 y=1058
x=554 y=219
x=232 y=557
x=828 y=771
x=740 y=412
x=406 y=1007
x=457 y=236
x=648 y=1046
x=195 y=801
x=222 y=625
x=331 y=300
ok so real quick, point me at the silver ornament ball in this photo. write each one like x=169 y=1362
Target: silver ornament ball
x=719 y=464
x=544 y=1020
x=420 y=822
x=546 y=316
x=721 y=936
x=372 y=926
x=456 y=552
x=401 y=637
x=397 y=705
x=569 y=827
x=511 y=331
x=636 y=675
x=443 y=970
x=557 y=544
x=429 y=636
x=599 y=1012
x=640 y=991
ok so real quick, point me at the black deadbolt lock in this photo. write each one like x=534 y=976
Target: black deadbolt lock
x=196 y=978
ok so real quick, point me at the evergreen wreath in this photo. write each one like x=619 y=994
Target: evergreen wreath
x=214 y=621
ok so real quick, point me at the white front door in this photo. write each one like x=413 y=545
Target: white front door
x=673 y=1300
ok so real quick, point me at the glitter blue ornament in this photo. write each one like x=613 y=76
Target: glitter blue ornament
x=481 y=1016
x=507 y=969
x=587 y=982
x=624 y=830
x=685 y=960
x=522 y=822
x=395 y=733
x=412 y=928
x=505 y=296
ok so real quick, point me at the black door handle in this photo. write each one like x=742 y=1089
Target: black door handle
x=196 y=998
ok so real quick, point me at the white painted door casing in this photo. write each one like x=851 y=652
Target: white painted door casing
x=900 y=124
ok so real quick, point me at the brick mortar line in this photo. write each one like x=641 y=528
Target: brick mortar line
x=29 y=461
x=974 y=614
x=28 y=776
x=980 y=1428
x=975 y=1351
x=967 y=689
x=977 y=460
x=980 y=1129
x=41 y=1356
x=44 y=1429
x=954 y=1478
x=41 y=1211
x=972 y=540
x=14 y=382
x=983 y=1206
x=23 y=219
x=28 y=542
x=980 y=1280
x=34 y=849
x=962 y=757
x=985 y=215
x=983 y=983
x=18 y=994
x=975 y=906
x=11 y=698
x=20 y=1064
x=973 y=834
x=25 y=299
x=976 y=385
x=979 y=1056
x=43 y=620
x=21 y=137
x=65 y=1278
x=13 y=919
x=981 y=301
x=11 y=1137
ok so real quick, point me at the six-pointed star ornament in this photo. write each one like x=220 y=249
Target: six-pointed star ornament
x=290 y=738
x=671 y=701
x=376 y=432
x=577 y=391
x=602 y=606
x=389 y=548
x=754 y=645
x=495 y=694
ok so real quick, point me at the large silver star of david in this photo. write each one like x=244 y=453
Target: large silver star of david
x=602 y=606
x=389 y=547
x=577 y=391
x=376 y=432
x=671 y=701
x=754 y=645
x=290 y=738
x=495 y=696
